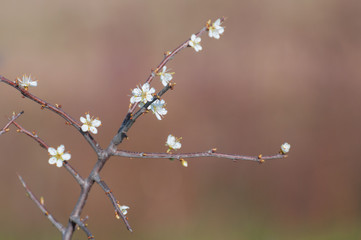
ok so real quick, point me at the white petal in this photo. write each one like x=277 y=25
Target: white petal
x=33 y=83
x=158 y=116
x=82 y=119
x=52 y=160
x=93 y=130
x=52 y=151
x=164 y=69
x=88 y=118
x=217 y=22
x=66 y=156
x=151 y=91
x=59 y=163
x=145 y=87
x=84 y=128
x=177 y=145
x=61 y=149
x=96 y=123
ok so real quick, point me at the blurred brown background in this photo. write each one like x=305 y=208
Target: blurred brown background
x=283 y=71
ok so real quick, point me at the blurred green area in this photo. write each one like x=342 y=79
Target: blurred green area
x=284 y=70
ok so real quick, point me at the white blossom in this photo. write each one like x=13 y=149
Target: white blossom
x=158 y=109
x=123 y=208
x=143 y=94
x=173 y=143
x=195 y=42
x=285 y=148
x=58 y=156
x=216 y=29
x=26 y=82
x=90 y=124
x=165 y=76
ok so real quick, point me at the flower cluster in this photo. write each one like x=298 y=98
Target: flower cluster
x=145 y=94
x=58 y=156
x=214 y=31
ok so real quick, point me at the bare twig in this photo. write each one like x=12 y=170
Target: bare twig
x=54 y=108
x=114 y=201
x=58 y=225
x=210 y=153
x=12 y=119
x=83 y=226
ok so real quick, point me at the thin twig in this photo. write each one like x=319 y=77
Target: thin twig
x=210 y=153
x=43 y=144
x=56 y=109
x=114 y=201
x=58 y=225
x=12 y=119
x=33 y=135
x=82 y=226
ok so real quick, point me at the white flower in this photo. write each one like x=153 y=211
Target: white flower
x=285 y=148
x=58 y=156
x=216 y=29
x=90 y=124
x=122 y=208
x=26 y=82
x=143 y=95
x=158 y=109
x=195 y=43
x=173 y=143
x=165 y=76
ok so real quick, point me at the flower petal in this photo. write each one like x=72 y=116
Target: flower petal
x=66 y=156
x=82 y=119
x=52 y=151
x=59 y=163
x=93 y=130
x=96 y=123
x=84 y=128
x=52 y=160
x=61 y=149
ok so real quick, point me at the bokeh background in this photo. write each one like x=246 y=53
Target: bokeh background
x=284 y=70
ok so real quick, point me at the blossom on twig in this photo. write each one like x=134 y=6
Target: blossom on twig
x=157 y=107
x=285 y=148
x=90 y=124
x=27 y=82
x=58 y=156
x=173 y=143
x=165 y=76
x=122 y=208
x=143 y=94
x=195 y=43
x=215 y=30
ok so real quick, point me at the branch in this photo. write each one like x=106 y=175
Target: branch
x=128 y=120
x=210 y=153
x=113 y=200
x=56 y=109
x=83 y=226
x=43 y=144
x=12 y=119
x=58 y=225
